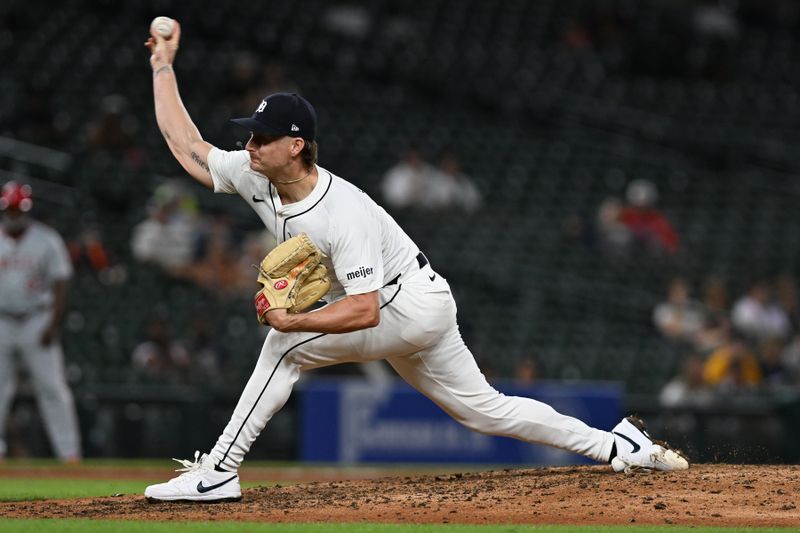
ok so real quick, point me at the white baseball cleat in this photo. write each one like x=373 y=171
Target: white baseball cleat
x=637 y=451
x=199 y=482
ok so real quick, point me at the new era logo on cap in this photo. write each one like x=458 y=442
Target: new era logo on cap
x=283 y=114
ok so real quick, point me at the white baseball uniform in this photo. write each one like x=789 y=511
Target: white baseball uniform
x=418 y=334
x=28 y=268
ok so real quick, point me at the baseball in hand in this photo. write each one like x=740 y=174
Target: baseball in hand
x=163 y=26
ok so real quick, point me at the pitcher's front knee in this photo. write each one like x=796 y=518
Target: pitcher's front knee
x=278 y=344
x=273 y=341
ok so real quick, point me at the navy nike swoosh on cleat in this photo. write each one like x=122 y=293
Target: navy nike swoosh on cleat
x=202 y=488
x=432 y=277
x=636 y=447
x=257 y=199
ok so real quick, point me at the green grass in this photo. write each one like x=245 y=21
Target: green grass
x=49 y=462
x=21 y=489
x=79 y=526
x=166 y=462
x=26 y=489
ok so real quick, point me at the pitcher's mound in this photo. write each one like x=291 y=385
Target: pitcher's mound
x=719 y=495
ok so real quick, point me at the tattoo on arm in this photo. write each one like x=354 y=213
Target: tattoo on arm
x=197 y=159
x=161 y=69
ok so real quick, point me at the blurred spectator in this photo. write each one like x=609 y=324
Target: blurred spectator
x=453 y=188
x=526 y=371
x=241 y=82
x=790 y=359
x=576 y=36
x=732 y=366
x=715 y=19
x=256 y=245
x=688 y=389
x=242 y=76
x=274 y=79
x=712 y=53
x=349 y=20
x=88 y=252
x=717 y=325
x=400 y=28
x=758 y=316
x=216 y=268
x=415 y=183
x=613 y=235
x=168 y=236
x=408 y=183
x=715 y=297
x=786 y=296
x=650 y=229
x=601 y=26
x=109 y=130
x=575 y=228
x=715 y=332
x=115 y=130
x=679 y=318
x=250 y=79
x=621 y=229
x=159 y=357
x=207 y=358
x=772 y=365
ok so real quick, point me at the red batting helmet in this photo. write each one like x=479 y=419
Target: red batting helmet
x=16 y=195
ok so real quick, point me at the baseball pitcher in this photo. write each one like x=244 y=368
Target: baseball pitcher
x=384 y=299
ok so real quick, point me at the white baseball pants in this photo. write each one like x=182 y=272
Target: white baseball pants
x=419 y=337
x=45 y=365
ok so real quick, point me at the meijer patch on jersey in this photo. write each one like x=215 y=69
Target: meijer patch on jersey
x=360 y=272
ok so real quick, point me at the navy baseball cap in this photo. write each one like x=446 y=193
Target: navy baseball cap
x=282 y=114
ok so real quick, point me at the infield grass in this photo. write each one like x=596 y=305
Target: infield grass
x=27 y=489
x=91 y=526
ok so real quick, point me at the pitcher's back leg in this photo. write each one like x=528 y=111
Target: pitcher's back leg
x=448 y=375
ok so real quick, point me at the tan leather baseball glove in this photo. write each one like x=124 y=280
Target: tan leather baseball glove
x=291 y=277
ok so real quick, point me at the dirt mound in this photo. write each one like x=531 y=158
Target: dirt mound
x=719 y=495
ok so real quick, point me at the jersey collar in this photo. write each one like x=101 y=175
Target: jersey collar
x=323 y=181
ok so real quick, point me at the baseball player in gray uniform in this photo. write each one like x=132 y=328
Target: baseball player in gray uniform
x=386 y=301
x=34 y=270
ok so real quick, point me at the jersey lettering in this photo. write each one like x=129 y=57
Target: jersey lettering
x=360 y=272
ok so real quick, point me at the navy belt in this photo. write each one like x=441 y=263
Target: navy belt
x=421 y=261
